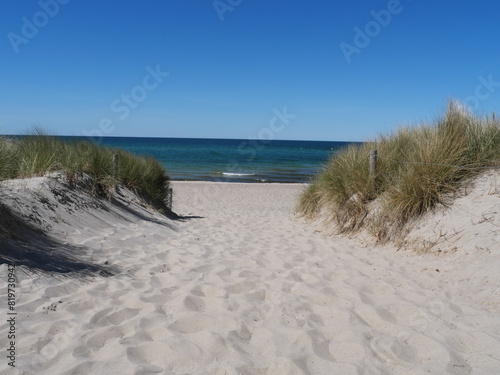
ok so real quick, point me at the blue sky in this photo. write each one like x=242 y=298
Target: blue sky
x=85 y=67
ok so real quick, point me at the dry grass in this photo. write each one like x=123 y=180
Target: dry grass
x=419 y=168
x=36 y=153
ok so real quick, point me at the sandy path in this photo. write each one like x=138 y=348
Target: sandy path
x=242 y=287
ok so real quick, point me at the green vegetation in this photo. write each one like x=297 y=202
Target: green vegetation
x=37 y=153
x=418 y=169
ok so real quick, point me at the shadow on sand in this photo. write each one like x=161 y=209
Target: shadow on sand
x=25 y=245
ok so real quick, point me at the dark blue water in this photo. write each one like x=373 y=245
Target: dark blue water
x=230 y=160
x=233 y=160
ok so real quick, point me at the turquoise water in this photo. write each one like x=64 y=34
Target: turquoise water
x=231 y=159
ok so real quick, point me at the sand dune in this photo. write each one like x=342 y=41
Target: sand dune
x=238 y=285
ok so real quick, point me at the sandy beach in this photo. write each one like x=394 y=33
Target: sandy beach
x=239 y=285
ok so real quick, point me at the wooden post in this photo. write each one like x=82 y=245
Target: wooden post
x=170 y=194
x=373 y=163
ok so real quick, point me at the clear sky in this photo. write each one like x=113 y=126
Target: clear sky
x=334 y=70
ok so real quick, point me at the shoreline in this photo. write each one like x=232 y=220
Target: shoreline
x=245 y=181
x=239 y=182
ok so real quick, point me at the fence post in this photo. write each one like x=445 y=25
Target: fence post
x=170 y=194
x=373 y=163
x=116 y=166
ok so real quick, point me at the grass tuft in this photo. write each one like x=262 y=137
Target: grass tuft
x=37 y=153
x=418 y=169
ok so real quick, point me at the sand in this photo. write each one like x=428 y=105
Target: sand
x=239 y=285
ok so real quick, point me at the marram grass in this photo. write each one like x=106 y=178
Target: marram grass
x=36 y=154
x=418 y=169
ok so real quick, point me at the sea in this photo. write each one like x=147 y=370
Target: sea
x=231 y=160
x=234 y=160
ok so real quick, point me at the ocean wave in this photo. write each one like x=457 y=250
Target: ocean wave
x=237 y=174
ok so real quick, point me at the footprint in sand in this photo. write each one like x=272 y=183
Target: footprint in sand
x=191 y=324
x=198 y=291
x=255 y=316
x=392 y=349
x=151 y=354
x=344 y=351
x=202 y=269
x=241 y=335
x=224 y=273
x=82 y=352
x=258 y=296
x=61 y=290
x=157 y=299
x=179 y=357
x=102 y=319
x=98 y=340
x=51 y=307
x=194 y=303
x=242 y=287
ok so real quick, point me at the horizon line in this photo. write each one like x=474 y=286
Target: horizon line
x=209 y=138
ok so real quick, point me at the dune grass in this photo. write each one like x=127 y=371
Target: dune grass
x=37 y=153
x=418 y=169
